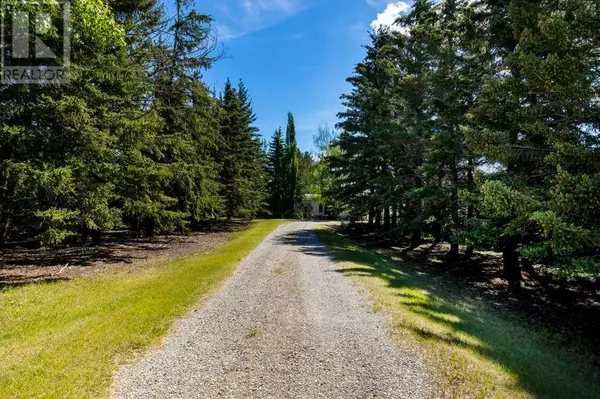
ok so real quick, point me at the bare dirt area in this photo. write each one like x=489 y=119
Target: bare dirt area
x=569 y=308
x=20 y=265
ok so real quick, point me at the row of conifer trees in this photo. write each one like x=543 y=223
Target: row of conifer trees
x=477 y=123
x=136 y=139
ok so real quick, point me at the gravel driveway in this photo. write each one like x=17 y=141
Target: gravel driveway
x=286 y=325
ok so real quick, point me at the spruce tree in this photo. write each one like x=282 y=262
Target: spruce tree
x=240 y=155
x=536 y=108
x=292 y=155
x=477 y=122
x=448 y=166
x=132 y=140
x=365 y=172
x=253 y=158
x=57 y=152
x=277 y=175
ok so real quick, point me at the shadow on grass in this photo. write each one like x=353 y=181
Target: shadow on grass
x=113 y=247
x=527 y=360
x=28 y=263
x=19 y=280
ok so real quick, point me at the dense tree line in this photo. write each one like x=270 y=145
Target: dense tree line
x=284 y=171
x=136 y=139
x=477 y=122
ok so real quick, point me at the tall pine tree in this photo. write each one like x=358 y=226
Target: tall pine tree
x=277 y=175
x=292 y=159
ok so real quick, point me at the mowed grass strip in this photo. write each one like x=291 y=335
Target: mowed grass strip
x=67 y=339
x=472 y=351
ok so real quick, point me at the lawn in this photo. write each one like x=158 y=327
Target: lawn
x=472 y=350
x=67 y=339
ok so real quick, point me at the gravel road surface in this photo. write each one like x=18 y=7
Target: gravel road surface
x=287 y=324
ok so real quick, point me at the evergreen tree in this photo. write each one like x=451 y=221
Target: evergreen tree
x=140 y=180
x=416 y=49
x=307 y=179
x=132 y=140
x=290 y=174
x=364 y=169
x=327 y=183
x=477 y=122
x=448 y=164
x=535 y=117
x=255 y=161
x=184 y=174
x=56 y=151
x=241 y=156
x=277 y=175
x=292 y=156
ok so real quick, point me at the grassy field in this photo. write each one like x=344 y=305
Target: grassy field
x=472 y=351
x=66 y=339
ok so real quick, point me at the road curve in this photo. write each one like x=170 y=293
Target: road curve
x=287 y=324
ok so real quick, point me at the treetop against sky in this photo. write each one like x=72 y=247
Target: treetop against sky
x=294 y=55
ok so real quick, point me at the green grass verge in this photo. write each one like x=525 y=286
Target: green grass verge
x=66 y=340
x=472 y=351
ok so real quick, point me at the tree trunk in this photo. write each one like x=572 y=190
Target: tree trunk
x=395 y=217
x=371 y=216
x=437 y=231
x=512 y=269
x=387 y=219
x=4 y=230
x=469 y=252
x=416 y=239
x=417 y=235
x=527 y=266
x=97 y=237
x=452 y=255
x=470 y=209
x=149 y=228
x=378 y=218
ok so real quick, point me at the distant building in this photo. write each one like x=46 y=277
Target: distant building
x=313 y=208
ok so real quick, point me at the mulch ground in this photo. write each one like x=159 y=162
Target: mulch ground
x=569 y=308
x=20 y=265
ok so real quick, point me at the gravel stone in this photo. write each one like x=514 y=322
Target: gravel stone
x=287 y=324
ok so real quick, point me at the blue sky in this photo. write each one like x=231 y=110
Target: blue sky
x=294 y=55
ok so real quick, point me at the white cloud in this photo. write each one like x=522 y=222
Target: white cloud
x=247 y=16
x=391 y=13
x=224 y=32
